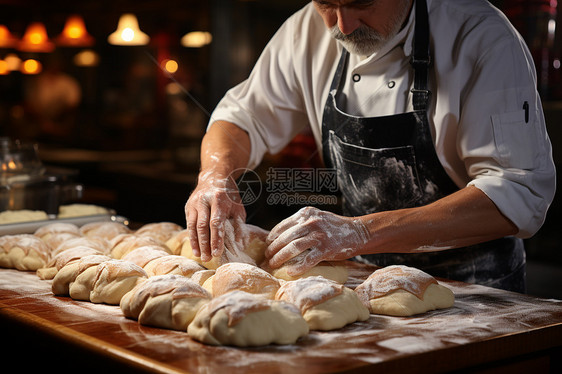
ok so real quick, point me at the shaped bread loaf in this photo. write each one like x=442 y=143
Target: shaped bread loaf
x=103 y=282
x=242 y=319
x=23 y=252
x=125 y=243
x=324 y=304
x=236 y=276
x=167 y=301
x=161 y=231
x=400 y=290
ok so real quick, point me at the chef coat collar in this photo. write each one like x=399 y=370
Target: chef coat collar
x=404 y=38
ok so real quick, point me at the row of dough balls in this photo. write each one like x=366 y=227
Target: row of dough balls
x=160 y=288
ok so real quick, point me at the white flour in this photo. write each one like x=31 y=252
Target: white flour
x=479 y=313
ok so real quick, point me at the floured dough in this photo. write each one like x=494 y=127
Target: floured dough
x=332 y=270
x=162 y=231
x=64 y=278
x=324 y=304
x=104 y=229
x=125 y=243
x=144 y=255
x=168 y=301
x=24 y=215
x=400 y=290
x=106 y=282
x=23 y=252
x=242 y=319
x=172 y=264
x=242 y=277
x=79 y=210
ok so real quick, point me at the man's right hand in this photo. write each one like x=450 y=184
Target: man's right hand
x=214 y=200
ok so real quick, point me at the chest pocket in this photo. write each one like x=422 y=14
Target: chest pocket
x=375 y=179
x=516 y=139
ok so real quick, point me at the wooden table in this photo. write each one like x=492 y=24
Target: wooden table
x=486 y=328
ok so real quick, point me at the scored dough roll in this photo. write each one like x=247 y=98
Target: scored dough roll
x=168 y=301
x=400 y=290
x=333 y=270
x=125 y=243
x=324 y=304
x=23 y=252
x=172 y=264
x=67 y=274
x=241 y=319
x=243 y=277
x=162 y=231
x=106 y=282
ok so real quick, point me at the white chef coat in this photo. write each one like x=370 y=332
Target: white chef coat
x=482 y=74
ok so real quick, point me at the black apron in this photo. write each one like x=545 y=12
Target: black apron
x=389 y=162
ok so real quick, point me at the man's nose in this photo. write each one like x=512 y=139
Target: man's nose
x=347 y=21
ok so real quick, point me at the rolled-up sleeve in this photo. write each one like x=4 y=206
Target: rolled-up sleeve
x=268 y=105
x=502 y=136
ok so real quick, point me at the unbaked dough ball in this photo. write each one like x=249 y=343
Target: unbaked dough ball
x=242 y=277
x=161 y=231
x=44 y=232
x=168 y=301
x=172 y=264
x=242 y=319
x=125 y=243
x=201 y=276
x=67 y=274
x=243 y=243
x=333 y=270
x=105 y=229
x=106 y=282
x=400 y=290
x=324 y=304
x=142 y=256
x=23 y=252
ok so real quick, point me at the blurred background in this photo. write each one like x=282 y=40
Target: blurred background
x=117 y=95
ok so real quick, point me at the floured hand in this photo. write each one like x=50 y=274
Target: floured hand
x=324 y=235
x=214 y=200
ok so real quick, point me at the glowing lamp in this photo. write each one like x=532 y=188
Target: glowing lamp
x=35 y=39
x=7 y=40
x=128 y=32
x=14 y=62
x=196 y=39
x=4 y=68
x=74 y=33
x=31 y=67
x=86 y=58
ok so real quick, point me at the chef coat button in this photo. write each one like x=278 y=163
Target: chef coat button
x=356 y=77
x=391 y=84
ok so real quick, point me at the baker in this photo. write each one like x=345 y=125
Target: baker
x=429 y=113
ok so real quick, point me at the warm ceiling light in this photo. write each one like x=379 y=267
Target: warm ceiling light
x=7 y=40
x=74 y=33
x=4 y=68
x=196 y=39
x=31 y=66
x=171 y=66
x=128 y=32
x=86 y=58
x=35 y=39
x=14 y=62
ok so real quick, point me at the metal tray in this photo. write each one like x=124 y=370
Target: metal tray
x=32 y=226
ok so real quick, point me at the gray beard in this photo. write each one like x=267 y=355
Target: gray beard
x=364 y=41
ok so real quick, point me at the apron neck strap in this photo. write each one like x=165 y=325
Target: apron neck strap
x=421 y=57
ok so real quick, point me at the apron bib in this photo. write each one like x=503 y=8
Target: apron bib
x=389 y=162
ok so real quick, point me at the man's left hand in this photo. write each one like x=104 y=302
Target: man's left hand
x=323 y=235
